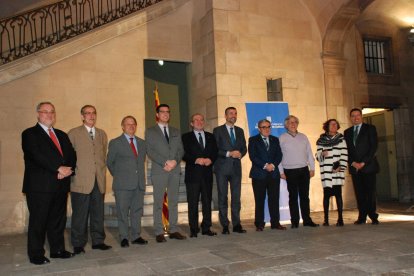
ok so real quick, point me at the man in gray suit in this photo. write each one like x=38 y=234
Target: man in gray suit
x=126 y=157
x=232 y=147
x=89 y=182
x=165 y=150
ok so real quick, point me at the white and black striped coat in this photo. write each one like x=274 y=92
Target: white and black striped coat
x=337 y=151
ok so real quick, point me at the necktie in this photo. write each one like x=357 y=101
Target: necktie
x=134 y=150
x=232 y=137
x=200 y=140
x=166 y=134
x=91 y=134
x=266 y=143
x=355 y=134
x=55 y=140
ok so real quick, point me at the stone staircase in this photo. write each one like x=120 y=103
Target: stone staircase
x=147 y=219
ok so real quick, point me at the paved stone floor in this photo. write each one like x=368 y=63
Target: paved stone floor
x=385 y=249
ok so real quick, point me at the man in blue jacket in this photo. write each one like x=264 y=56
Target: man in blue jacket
x=265 y=154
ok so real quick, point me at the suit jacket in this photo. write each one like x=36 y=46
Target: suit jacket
x=127 y=170
x=159 y=150
x=91 y=159
x=228 y=165
x=192 y=151
x=259 y=156
x=364 y=150
x=42 y=160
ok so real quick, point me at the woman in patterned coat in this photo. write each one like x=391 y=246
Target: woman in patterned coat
x=332 y=155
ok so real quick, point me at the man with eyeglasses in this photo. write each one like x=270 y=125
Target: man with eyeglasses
x=49 y=160
x=266 y=155
x=89 y=182
x=297 y=167
x=166 y=150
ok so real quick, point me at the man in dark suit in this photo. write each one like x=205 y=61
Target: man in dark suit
x=266 y=155
x=125 y=161
x=49 y=162
x=231 y=148
x=362 y=143
x=165 y=149
x=200 y=152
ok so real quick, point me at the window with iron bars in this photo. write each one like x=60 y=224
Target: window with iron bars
x=377 y=56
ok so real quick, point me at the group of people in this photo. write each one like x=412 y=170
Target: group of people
x=56 y=163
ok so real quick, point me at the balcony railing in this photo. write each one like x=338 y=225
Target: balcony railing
x=30 y=32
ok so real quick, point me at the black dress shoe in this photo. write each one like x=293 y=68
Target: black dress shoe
x=325 y=223
x=374 y=221
x=160 y=238
x=294 y=225
x=278 y=227
x=139 y=241
x=193 y=235
x=177 y=236
x=209 y=233
x=359 y=222
x=39 y=260
x=259 y=229
x=78 y=250
x=239 y=229
x=310 y=224
x=62 y=255
x=101 y=246
x=225 y=230
x=124 y=243
x=340 y=223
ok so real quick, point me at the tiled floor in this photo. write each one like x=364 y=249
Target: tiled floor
x=385 y=249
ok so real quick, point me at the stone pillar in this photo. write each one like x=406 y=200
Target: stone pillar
x=336 y=103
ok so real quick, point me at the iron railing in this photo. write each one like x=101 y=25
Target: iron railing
x=27 y=33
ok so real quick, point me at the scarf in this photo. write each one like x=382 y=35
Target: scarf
x=329 y=141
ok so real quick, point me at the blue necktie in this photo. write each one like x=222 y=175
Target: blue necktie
x=355 y=134
x=232 y=137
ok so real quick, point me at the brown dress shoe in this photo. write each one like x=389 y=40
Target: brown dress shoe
x=177 y=235
x=278 y=227
x=160 y=238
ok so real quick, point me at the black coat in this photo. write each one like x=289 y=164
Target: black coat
x=192 y=151
x=364 y=149
x=42 y=160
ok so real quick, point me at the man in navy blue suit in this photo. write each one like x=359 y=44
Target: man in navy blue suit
x=265 y=154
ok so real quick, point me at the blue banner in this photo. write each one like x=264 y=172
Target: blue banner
x=275 y=112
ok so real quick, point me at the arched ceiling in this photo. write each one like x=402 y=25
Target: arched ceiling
x=395 y=13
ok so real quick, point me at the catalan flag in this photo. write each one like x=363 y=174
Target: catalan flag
x=165 y=202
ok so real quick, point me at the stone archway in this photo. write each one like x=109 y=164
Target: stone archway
x=333 y=57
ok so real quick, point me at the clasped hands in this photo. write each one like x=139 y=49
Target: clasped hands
x=358 y=165
x=64 y=171
x=203 y=161
x=170 y=165
x=269 y=167
x=235 y=154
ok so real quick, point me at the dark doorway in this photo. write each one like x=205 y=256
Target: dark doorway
x=172 y=82
x=383 y=120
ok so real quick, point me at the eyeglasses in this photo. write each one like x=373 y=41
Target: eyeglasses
x=46 y=112
x=265 y=127
x=164 y=111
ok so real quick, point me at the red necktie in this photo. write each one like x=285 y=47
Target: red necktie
x=55 y=140
x=134 y=150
